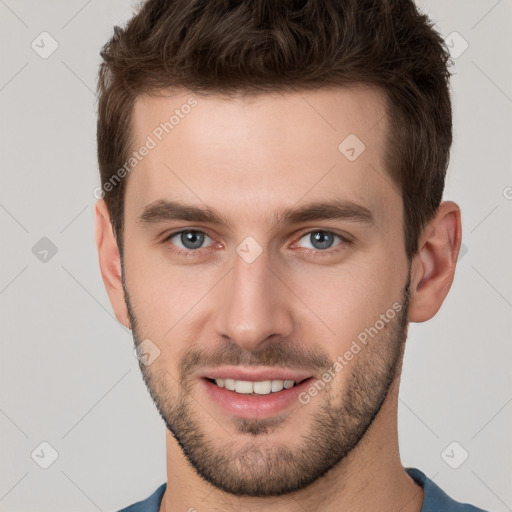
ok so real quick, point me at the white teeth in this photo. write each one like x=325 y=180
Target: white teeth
x=243 y=386
x=277 y=385
x=260 y=388
x=229 y=384
x=263 y=388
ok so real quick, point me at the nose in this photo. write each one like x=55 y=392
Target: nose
x=254 y=305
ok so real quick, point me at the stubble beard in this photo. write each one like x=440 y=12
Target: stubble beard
x=247 y=464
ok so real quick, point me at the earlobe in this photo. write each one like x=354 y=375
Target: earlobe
x=110 y=262
x=433 y=266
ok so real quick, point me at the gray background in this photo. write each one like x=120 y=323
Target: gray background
x=67 y=369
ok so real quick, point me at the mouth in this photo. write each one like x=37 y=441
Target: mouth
x=262 y=387
x=254 y=394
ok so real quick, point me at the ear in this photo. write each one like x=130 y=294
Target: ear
x=110 y=262
x=433 y=266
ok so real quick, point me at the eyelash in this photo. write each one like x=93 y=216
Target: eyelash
x=310 y=252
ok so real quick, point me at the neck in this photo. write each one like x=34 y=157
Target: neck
x=370 y=477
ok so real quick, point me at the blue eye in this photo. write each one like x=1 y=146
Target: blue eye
x=189 y=242
x=190 y=239
x=321 y=240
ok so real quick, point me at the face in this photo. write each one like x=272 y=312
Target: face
x=264 y=251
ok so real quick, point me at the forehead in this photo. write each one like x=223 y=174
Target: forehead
x=247 y=155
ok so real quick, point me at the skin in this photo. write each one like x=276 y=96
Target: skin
x=248 y=158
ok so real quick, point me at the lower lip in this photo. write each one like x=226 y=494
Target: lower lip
x=254 y=406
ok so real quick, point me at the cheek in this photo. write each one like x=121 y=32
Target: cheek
x=343 y=301
x=162 y=295
x=332 y=304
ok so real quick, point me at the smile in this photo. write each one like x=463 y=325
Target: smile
x=255 y=393
x=246 y=387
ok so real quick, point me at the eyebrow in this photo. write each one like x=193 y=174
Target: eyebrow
x=163 y=210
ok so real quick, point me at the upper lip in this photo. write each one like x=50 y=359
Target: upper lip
x=255 y=374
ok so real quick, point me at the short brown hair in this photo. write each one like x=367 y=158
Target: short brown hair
x=257 y=46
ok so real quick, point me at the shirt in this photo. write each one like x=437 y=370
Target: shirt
x=434 y=498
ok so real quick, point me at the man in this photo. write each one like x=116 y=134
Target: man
x=270 y=221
